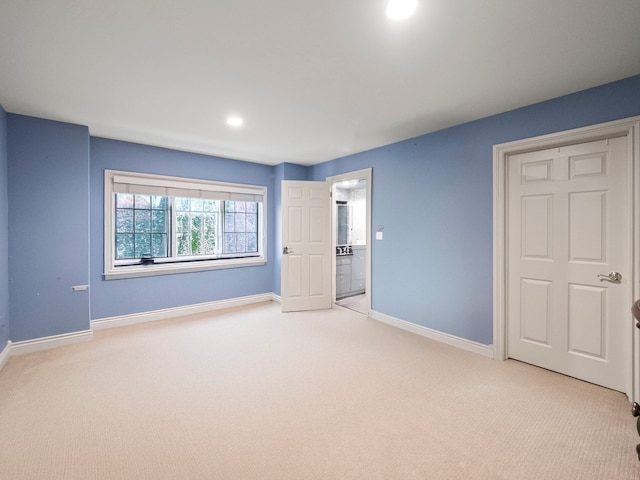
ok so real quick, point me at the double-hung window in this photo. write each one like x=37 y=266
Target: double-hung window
x=157 y=225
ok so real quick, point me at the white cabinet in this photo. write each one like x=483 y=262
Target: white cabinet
x=343 y=275
x=358 y=268
x=351 y=272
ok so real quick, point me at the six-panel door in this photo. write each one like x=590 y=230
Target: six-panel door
x=568 y=222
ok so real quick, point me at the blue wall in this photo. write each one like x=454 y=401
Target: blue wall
x=4 y=233
x=125 y=296
x=49 y=235
x=433 y=194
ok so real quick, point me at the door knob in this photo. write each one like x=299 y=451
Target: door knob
x=286 y=251
x=613 y=277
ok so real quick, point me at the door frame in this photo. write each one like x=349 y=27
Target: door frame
x=629 y=127
x=365 y=174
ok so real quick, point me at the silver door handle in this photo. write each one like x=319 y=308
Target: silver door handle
x=613 y=277
x=286 y=251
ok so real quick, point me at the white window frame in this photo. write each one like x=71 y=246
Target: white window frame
x=116 y=181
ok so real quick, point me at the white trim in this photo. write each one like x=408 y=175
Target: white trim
x=45 y=343
x=634 y=151
x=4 y=355
x=163 y=314
x=137 y=271
x=629 y=127
x=462 y=343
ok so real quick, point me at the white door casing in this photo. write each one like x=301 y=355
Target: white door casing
x=567 y=223
x=630 y=130
x=306 y=240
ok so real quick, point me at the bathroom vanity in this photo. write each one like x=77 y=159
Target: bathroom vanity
x=350 y=270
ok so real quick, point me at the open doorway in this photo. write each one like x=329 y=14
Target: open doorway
x=351 y=229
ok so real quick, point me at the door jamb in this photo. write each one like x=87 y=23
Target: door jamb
x=629 y=127
x=358 y=174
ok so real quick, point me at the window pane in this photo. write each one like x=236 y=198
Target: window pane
x=196 y=233
x=210 y=205
x=159 y=203
x=240 y=222
x=159 y=245
x=184 y=246
x=182 y=204
x=158 y=221
x=137 y=221
x=142 y=245
x=143 y=201
x=252 y=242
x=196 y=221
x=240 y=243
x=252 y=223
x=229 y=222
x=124 y=200
x=142 y=221
x=197 y=230
x=124 y=221
x=240 y=228
x=196 y=205
x=229 y=243
x=182 y=222
x=209 y=234
x=124 y=246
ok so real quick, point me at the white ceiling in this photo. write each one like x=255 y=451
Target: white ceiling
x=314 y=80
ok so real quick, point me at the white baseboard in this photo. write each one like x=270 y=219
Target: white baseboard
x=45 y=343
x=154 y=315
x=464 y=344
x=5 y=354
x=37 y=344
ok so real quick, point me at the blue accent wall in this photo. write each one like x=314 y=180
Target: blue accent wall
x=48 y=179
x=4 y=233
x=126 y=296
x=434 y=195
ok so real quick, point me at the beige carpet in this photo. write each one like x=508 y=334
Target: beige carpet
x=251 y=393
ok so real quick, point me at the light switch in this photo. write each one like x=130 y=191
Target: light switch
x=379 y=235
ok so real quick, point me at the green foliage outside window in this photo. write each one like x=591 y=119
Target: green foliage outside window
x=141 y=226
x=203 y=227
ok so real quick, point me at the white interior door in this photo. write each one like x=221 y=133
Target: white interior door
x=568 y=225
x=306 y=240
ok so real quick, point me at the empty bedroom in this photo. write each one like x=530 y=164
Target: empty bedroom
x=374 y=239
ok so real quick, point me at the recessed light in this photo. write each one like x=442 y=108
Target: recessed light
x=401 y=9
x=235 y=121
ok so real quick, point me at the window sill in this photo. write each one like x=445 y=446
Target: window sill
x=135 y=271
